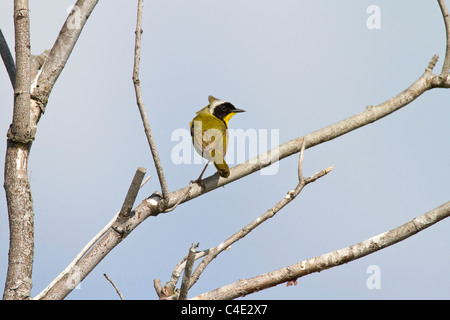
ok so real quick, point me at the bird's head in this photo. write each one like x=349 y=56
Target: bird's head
x=222 y=109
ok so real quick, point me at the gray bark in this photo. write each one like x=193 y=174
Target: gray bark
x=17 y=187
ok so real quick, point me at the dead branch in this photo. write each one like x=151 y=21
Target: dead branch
x=114 y=285
x=57 y=58
x=214 y=252
x=27 y=110
x=187 y=272
x=140 y=102
x=291 y=195
x=132 y=193
x=168 y=291
x=328 y=260
x=153 y=206
x=86 y=248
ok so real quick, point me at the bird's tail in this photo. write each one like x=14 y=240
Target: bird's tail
x=219 y=162
x=223 y=169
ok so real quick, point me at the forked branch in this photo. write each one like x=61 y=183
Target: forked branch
x=153 y=206
x=328 y=260
x=214 y=252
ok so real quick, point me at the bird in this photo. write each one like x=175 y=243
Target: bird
x=209 y=131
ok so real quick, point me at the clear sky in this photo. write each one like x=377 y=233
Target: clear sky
x=295 y=66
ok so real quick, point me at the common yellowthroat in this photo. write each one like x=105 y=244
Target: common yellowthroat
x=209 y=131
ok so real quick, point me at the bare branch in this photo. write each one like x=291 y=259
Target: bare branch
x=132 y=193
x=86 y=248
x=27 y=111
x=291 y=195
x=168 y=291
x=8 y=59
x=372 y=113
x=433 y=62
x=153 y=206
x=114 y=285
x=328 y=260
x=212 y=253
x=140 y=102
x=158 y=287
x=187 y=272
x=445 y=15
x=58 y=56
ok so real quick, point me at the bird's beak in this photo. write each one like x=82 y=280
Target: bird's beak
x=238 y=110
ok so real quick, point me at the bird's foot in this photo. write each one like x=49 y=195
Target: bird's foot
x=200 y=182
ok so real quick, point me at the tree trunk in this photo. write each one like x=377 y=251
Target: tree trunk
x=17 y=187
x=21 y=222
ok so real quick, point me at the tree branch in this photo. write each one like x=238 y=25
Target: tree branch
x=211 y=254
x=187 y=272
x=153 y=205
x=168 y=291
x=27 y=110
x=69 y=269
x=425 y=82
x=140 y=102
x=328 y=260
x=291 y=195
x=58 y=56
x=445 y=15
x=132 y=193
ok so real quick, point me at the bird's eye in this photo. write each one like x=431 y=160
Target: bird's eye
x=223 y=107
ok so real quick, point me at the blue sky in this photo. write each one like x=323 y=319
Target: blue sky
x=295 y=67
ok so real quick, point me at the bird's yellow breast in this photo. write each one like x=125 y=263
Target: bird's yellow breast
x=209 y=133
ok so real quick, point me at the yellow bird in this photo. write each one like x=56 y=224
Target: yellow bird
x=209 y=131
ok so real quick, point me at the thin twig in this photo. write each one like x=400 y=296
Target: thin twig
x=140 y=102
x=145 y=181
x=114 y=285
x=445 y=15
